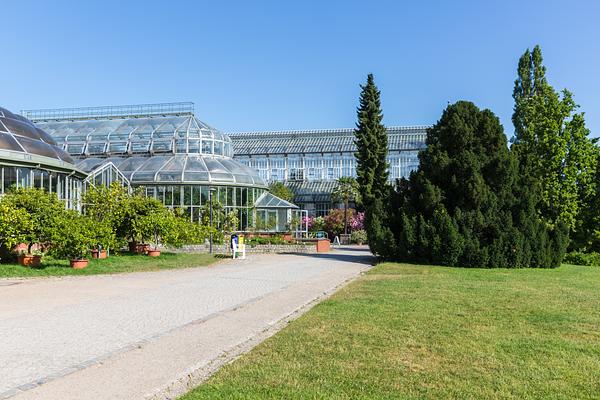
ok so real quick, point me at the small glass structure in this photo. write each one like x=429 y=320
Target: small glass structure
x=29 y=157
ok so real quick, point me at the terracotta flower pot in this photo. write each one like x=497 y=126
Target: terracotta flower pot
x=103 y=254
x=153 y=253
x=95 y=254
x=142 y=248
x=80 y=263
x=29 y=260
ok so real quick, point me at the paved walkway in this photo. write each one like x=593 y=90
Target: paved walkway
x=152 y=334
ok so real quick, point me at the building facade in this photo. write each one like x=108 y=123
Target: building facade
x=310 y=162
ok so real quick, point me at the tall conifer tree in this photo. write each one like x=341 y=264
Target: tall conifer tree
x=372 y=167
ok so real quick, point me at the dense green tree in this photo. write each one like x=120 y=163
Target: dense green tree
x=586 y=236
x=280 y=190
x=372 y=168
x=552 y=144
x=107 y=206
x=44 y=210
x=467 y=205
x=15 y=223
x=345 y=191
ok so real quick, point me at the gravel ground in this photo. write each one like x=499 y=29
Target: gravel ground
x=61 y=337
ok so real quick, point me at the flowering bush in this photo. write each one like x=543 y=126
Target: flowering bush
x=358 y=222
x=334 y=221
x=318 y=224
x=308 y=222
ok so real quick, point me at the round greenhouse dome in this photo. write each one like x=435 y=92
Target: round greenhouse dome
x=162 y=148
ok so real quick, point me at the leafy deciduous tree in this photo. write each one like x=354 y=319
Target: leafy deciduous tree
x=552 y=143
x=280 y=190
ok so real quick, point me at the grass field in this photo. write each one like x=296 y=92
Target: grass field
x=111 y=265
x=406 y=332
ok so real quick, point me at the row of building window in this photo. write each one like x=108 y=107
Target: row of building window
x=195 y=146
x=198 y=195
x=323 y=167
x=66 y=187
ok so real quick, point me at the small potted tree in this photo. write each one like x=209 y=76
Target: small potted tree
x=43 y=209
x=156 y=226
x=73 y=237
x=14 y=223
x=104 y=239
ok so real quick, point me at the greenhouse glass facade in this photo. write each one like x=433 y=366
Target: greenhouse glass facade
x=165 y=149
x=310 y=162
x=29 y=157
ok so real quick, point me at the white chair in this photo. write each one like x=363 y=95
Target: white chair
x=239 y=249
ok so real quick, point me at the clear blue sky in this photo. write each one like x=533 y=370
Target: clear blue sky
x=293 y=65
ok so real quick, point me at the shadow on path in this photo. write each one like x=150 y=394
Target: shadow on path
x=354 y=255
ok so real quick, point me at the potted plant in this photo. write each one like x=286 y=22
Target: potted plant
x=359 y=237
x=37 y=212
x=157 y=226
x=74 y=235
x=135 y=221
x=104 y=239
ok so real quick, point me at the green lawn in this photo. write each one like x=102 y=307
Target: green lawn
x=111 y=265
x=406 y=331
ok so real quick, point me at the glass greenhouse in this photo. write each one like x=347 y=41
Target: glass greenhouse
x=164 y=148
x=311 y=161
x=29 y=157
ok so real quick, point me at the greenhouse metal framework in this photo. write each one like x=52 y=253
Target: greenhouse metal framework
x=163 y=148
x=311 y=161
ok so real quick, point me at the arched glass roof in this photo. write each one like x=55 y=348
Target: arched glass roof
x=149 y=143
x=146 y=135
x=21 y=140
x=179 y=169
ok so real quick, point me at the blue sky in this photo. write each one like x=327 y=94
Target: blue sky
x=271 y=65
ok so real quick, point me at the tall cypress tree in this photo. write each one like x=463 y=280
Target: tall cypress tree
x=372 y=167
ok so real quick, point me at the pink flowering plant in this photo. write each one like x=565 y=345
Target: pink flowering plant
x=308 y=222
x=357 y=222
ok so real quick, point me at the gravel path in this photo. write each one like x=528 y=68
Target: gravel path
x=60 y=337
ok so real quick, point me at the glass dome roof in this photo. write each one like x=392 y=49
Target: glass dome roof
x=149 y=143
x=21 y=140
x=179 y=169
x=146 y=135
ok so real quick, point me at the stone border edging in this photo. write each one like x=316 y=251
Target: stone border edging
x=199 y=374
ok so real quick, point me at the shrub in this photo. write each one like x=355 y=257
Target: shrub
x=73 y=236
x=359 y=236
x=358 y=221
x=44 y=210
x=156 y=226
x=467 y=204
x=308 y=222
x=318 y=224
x=334 y=221
x=15 y=223
x=109 y=206
x=580 y=258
